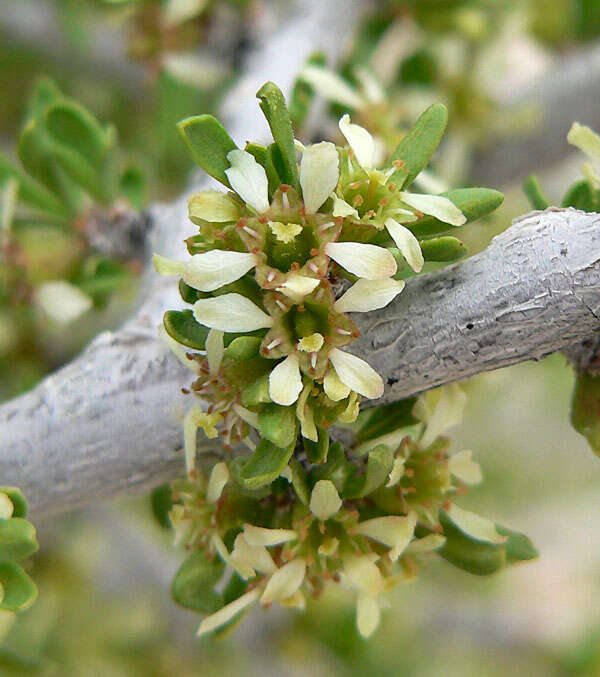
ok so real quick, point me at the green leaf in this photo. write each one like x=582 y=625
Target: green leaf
x=581 y=195
x=181 y=325
x=379 y=466
x=161 y=501
x=585 y=409
x=133 y=185
x=519 y=547
x=30 y=191
x=417 y=147
x=534 y=193
x=337 y=469
x=45 y=93
x=258 y=152
x=193 y=585
x=303 y=93
x=472 y=202
x=273 y=167
x=316 y=452
x=244 y=348
x=208 y=143
x=300 y=481
x=20 y=591
x=275 y=111
x=18 y=500
x=467 y=553
x=257 y=392
x=277 y=424
x=189 y=294
x=17 y=539
x=266 y=464
x=444 y=249
x=386 y=419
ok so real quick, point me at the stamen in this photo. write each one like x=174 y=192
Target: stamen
x=274 y=343
x=270 y=276
x=313 y=360
x=285 y=200
x=345 y=332
x=326 y=226
x=250 y=231
x=313 y=266
x=281 y=304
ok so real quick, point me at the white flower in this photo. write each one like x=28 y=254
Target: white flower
x=330 y=86
x=208 y=271
x=356 y=374
x=435 y=205
x=252 y=557
x=215 y=349
x=231 y=313
x=62 y=302
x=334 y=388
x=6 y=506
x=228 y=612
x=298 y=286
x=342 y=208
x=263 y=536
x=285 y=381
x=325 y=501
x=367 y=615
x=219 y=477
x=461 y=465
x=440 y=409
x=248 y=179
x=363 y=260
x=394 y=531
x=213 y=206
x=361 y=572
x=361 y=142
x=397 y=472
x=285 y=581
x=407 y=243
x=475 y=526
x=319 y=174
x=194 y=419
x=366 y=295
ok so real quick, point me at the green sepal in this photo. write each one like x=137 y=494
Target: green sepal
x=208 y=142
x=379 y=466
x=581 y=195
x=20 y=591
x=277 y=424
x=266 y=464
x=275 y=111
x=194 y=582
x=417 y=147
x=257 y=392
x=30 y=191
x=243 y=348
x=303 y=93
x=337 y=469
x=161 y=502
x=534 y=193
x=585 y=409
x=467 y=553
x=18 y=500
x=385 y=419
x=519 y=547
x=258 y=152
x=182 y=326
x=133 y=185
x=316 y=452
x=17 y=539
x=300 y=481
x=273 y=167
x=443 y=249
x=472 y=202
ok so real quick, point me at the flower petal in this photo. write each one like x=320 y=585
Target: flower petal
x=255 y=557
x=216 y=268
x=361 y=142
x=478 y=527
x=7 y=507
x=363 y=260
x=213 y=206
x=586 y=139
x=285 y=381
x=298 y=286
x=334 y=388
x=397 y=472
x=394 y=531
x=285 y=581
x=248 y=179
x=62 y=302
x=366 y=295
x=435 y=205
x=232 y=313
x=331 y=86
x=262 y=536
x=196 y=418
x=219 y=477
x=367 y=615
x=461 y=465
x=407 y=243
x=165 y=266
x=440 y=409
x=363 y=574
x=342 y=208
x=229 y=611
x=356 y=374
x=371 y=87
x=319 y=174
x=215 y=348
x=325 y=501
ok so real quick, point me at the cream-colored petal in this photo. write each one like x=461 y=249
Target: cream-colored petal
x=6 y=506
x=165 y=266
x=268 y=537
x=356 y=374
x=231 y=313
x=586 y=139
x=426 y=544
x=393 y=530
x=331 y=86
x=397 y=472
x=444 y=409
x=216 y=268
x=435 y=205
x=361 y=142
x=228 y=612
x=325 y=501
x=367 y=615
x=248 y=179
x=407 y=243
x=237 y=564
x=363 y=574
x=178 y=350
x=285 y=581
x=342 y=208
x=363 y=260
x=373 y=91
x=256 y=557
x=334 y=388
x=308 y=428
x=251 y=417
x=462 y=465
x=473 y=525
x=213 y=206
x=285 y=381
x=219 y=477
x=319 y=174
x=298 y=286
x=215 y=349
x=196 y=418
x=62 y=302
x=366 y=295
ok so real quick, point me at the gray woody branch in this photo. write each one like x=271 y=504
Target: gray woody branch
x=110 y=422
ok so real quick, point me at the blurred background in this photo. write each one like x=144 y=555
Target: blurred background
x=514 y=75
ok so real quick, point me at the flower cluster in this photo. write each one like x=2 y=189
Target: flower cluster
x=306 y=236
